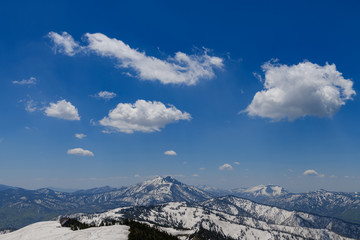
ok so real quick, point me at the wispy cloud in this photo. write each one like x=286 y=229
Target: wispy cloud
x=105 y=95
x=30 y=81
x=80 y=135
x=31 y=106
x=64 y=43
x=180 y=69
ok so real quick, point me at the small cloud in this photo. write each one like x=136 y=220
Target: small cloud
x=236 y=163
x=27 y=128
x=80 y=135
x=80 y=152
x=92 y=122
x=105 y=95
x=312 y=172
x=28 y=82
x=202 y=168
x=195 y=175
x=170 y=153
x=64 y=43
x=185 y=162
x=258 y=77
x=137 y=175
x=31 y=106
x=63 y=110
x=226 y=166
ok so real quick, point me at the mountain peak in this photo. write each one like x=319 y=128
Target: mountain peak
x=162 y=180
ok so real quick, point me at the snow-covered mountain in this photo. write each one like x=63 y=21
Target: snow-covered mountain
x=341 y=205
x=44 y=204
x=345 y=206
x=260 y=191
x=161 y=190
x=231 y=218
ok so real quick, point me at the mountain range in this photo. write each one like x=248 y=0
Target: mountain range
x=230 y=218
x=20 y=207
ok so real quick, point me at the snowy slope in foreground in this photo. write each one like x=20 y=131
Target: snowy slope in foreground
x=232 y=217
x=52 y=230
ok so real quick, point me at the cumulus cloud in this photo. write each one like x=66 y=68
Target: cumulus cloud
x=80 y=152
x=80 y=135
x=312 y=172
x=180 y=69
x=226 y=166
x=296 y=91
x=105 y=95
x=62 y=109
x=64 y=43
x=142 y=116
x=30 y=81
x=170 y=153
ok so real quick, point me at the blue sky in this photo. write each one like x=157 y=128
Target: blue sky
x=244 y=92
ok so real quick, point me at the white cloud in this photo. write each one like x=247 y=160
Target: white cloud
x=64 y=43
x=80 y=152
x=30 y=81
x=142 y=116
x=170 y=153
x=105 y=95
x=62 y=109
x=202 y=168
x=296 y=91
x=195 y=175
x=180 y=69
x=236 y=163
x=80 y=135
x=312 y=172
x=226 y=166
x=31 y=106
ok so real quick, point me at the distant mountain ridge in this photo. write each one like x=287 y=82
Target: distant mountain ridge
x=4 y=187
x=44 y=204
